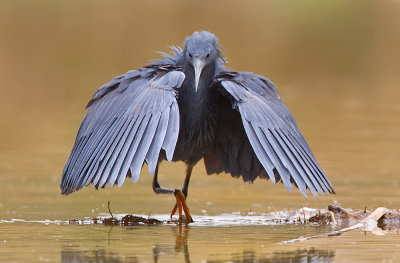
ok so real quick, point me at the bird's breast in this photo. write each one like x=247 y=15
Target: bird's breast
x=198 y=121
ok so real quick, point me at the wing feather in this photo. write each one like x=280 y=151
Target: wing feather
x=84 y=154
x=100 y=142
x=114 y=161
x=107 y=161
x=274 y=154
x=301 y=179
x=314 y=165
x=151 y=157
x=143 y=147
x=130 y=149
x=260 y=146
x=272 y=133
x=129 y=120
x=301 y=165
x=171 y=136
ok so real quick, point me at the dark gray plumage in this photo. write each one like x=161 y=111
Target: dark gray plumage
x=186 y=107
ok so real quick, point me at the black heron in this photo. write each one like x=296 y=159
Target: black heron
x=187 y=107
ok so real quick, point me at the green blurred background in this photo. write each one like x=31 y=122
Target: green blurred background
x=336 y=64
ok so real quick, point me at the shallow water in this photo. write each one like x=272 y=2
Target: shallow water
x=336 y=65
x=181 y=243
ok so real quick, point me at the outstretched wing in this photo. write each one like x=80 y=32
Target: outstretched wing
x=266 y=124
x=129 y=121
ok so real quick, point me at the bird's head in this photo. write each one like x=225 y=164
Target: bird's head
x=201 y=50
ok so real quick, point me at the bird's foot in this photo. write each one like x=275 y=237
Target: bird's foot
x=181 y=205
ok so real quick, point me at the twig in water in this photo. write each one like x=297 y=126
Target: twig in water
x=333 y=221
x=109 y=210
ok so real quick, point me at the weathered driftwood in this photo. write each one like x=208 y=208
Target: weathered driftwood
x=369 y=222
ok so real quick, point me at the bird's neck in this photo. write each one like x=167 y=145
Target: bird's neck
x=204 y=86
x=197 y=105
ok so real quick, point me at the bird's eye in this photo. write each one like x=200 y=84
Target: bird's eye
x=208 y=55
x=190 y=55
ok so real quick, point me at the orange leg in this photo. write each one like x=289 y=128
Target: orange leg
x=181 y=205
x=174 y=209
x=179 y=195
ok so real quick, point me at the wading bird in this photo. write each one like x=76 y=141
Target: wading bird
x=187 y=107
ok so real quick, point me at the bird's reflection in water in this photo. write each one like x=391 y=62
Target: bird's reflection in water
x=310 y=255
x=302 y=255
x=93 y=256
x=182 y=233
x=180 y=247
x=180 y=250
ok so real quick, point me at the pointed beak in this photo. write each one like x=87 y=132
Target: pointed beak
x=198 y=64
